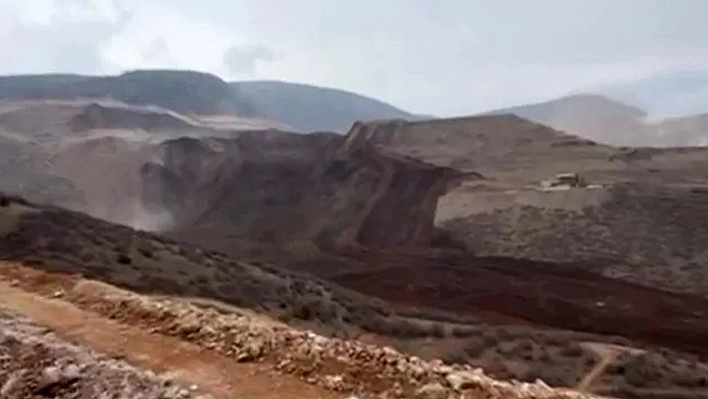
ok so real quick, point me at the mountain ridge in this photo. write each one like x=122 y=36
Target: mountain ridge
x=342 y=108
x=306 y=108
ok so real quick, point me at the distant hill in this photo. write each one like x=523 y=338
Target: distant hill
x=310 y=108
x=593 y=104
x=675 y=94
x=605 y=120
x=181 y=91
x=305 y=108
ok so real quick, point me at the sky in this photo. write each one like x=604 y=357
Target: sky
x=441 y=57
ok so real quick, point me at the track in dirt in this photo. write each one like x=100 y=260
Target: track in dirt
x=186 y=362
x=497 y=289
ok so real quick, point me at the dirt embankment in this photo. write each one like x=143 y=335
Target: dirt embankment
x=332 y=365
x=35 y=363
x=497 y=289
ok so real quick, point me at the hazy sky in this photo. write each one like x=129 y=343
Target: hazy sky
x=440 y=57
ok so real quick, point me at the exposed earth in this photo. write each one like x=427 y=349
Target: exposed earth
x=446 y=239
x=222 y=354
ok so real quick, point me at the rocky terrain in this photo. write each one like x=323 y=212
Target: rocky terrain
x=332 y=364
x=438 y=238
x=491 y=333
x=35 y=363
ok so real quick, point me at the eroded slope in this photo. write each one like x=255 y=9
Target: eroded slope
x=278 y=187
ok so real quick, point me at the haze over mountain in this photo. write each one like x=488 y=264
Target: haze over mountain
x=605 y=120
x=669 y=109
x=676 y=93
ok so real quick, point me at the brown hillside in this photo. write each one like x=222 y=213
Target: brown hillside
x=402 y=212
x=280 y=187
x=70 y=243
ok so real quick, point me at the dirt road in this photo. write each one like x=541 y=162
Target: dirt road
x=186 y=363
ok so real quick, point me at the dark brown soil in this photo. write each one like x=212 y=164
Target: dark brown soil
x=498 y=290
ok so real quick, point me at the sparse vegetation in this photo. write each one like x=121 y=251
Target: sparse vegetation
x=505 y=351
x=571 y=350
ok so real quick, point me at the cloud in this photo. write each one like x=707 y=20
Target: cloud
x=240 y=59
x=158 y=52
x=428 y=56
x=56 y=36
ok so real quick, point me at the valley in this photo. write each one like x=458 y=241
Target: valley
x=436 y=237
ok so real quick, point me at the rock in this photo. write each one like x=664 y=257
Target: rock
x=433 y=390
x=461 y=380
x=54 y=377
x=71 y=373
x=50 y=375
x=334 y=382
x=444 y=369
x=250 y=352
x=11 y=383
x=542 y=384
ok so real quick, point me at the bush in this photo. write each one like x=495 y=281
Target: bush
x=437 y=330
x=407 y=329
x=475 y=347
x=87 y=256
x=524 y=346
x=456 y=357
x=463 y=331
x=643 y=370
x=146 y=252
x=546 y=357
x=303 y=311
x=124 y=259
x=201 y=279
x=572 y=350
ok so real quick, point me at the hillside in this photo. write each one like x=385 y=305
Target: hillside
x=386 y=184
x=169 y=348
x=47 y=145
x=181 y=280
x=314 y=109
x=279 y=187
x=608 y=121
x=436 y=237
x=295 y=106
x=181 y=91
